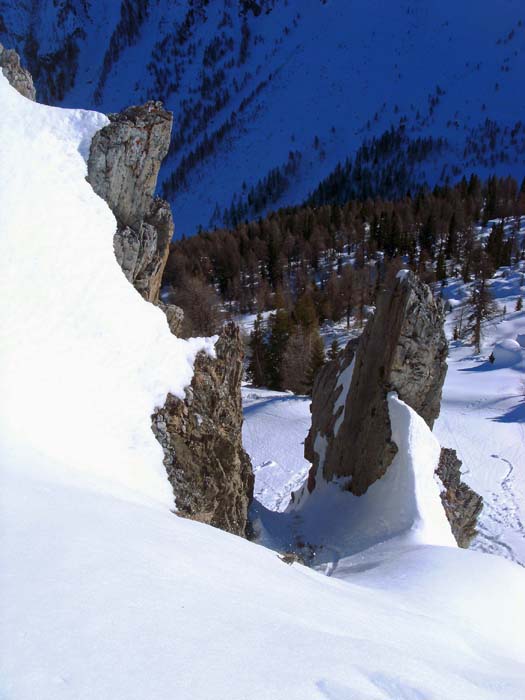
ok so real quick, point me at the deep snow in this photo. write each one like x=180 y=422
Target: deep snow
x=107 y=594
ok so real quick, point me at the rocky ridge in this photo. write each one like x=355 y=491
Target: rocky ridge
x=209 y=470
x=123 y=166
x=461 y=503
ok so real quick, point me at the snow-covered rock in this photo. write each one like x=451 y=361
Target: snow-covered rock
x=507 y=352
x=402 y=348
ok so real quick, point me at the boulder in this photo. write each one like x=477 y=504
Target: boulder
x=209 y=470
x=18 y=77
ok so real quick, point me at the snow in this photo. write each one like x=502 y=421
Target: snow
x=402 y=508
x=343 y=383
x=507 y=352
x=275 y=426
x=106 y=593
x=402 y=274
x=84 y=359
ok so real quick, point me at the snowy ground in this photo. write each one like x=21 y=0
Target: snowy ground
x=482 y=418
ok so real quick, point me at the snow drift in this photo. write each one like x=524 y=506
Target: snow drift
x=85 y=360
x=106 y=594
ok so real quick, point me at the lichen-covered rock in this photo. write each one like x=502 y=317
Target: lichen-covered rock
x=461 y=503
x=403 y=349
x=125 y=159
x=142 y=252
x=209 y=470
x=18 y=77
x=123 y=165
x=175 y=316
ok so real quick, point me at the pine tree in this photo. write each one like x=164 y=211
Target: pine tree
x=334 y=350
x=482 y=305
x=441 y=268
x=280 y=328
x=317 y=359
x=256 y=365
x=519 y=304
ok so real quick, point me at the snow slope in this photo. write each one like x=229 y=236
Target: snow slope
x=82 y=342
x=483 y=417
x=340 y=71
x=105 y=593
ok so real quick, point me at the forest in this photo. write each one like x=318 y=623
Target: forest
x=312 y=264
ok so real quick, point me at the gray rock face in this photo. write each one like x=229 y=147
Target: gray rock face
x=209 y=470
x=123 y=166
x=175 y=316
x=125 y=159
x=142 y=252
x=403 y=348
x=17 y=76
x=461 y=503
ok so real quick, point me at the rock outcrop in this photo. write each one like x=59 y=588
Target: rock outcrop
x=209 y=470
x=19 y=77
x=403 y=349
x=123 y=166
x=461 y=503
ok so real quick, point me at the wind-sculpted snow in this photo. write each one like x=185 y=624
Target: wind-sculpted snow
x=84 y=360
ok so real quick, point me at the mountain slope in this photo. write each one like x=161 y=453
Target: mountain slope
x=107 y=594
x=252 y=82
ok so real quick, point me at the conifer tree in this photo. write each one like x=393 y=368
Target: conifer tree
x=481 y=303
x=280 y=328
x=256 y=365
x=334 y=350
x=317 y=359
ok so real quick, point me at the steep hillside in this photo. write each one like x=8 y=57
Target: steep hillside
x=269 y=96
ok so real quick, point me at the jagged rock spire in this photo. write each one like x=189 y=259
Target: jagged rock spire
x=403 y=348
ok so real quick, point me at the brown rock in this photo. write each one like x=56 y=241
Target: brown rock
x=403 y=348
x=461 y=503
x=201 y=436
